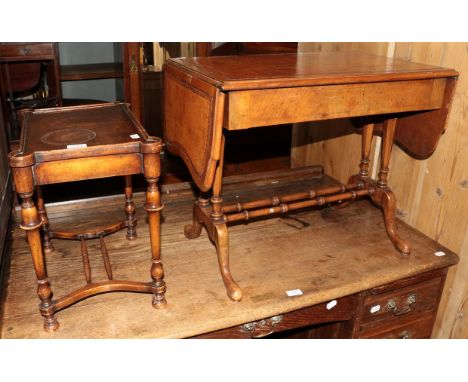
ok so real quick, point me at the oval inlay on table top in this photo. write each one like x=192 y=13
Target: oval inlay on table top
x=68 y=136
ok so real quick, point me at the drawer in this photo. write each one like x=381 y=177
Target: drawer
x=406 y=302
x=420 y=328
x=322 y=313
x=17 y=52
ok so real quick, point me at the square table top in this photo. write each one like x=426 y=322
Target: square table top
x=303 y=69
x=80 y=131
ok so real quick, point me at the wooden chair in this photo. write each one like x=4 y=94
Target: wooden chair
x=29 y=79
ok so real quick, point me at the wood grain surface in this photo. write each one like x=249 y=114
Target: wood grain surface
x=307 y=69
x=327 y=253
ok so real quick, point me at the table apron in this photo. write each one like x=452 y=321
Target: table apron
x=87 y=168
x=266 y=107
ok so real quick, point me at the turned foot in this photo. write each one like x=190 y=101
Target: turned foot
x=221 y=239
x=159 y=300
x=51 y=324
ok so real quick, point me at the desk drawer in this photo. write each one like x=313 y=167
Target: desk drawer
x=416 y=329
x=321 y=313
x=399 y=304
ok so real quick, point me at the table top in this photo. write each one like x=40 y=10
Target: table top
x=80 y=131
x=304 y=69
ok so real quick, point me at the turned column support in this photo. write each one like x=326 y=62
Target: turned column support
x=24 y=185
x=153 y=207
x=216 y=200
x=130 y=209
x=47 y=247
x=387 y=143
x=367 y=135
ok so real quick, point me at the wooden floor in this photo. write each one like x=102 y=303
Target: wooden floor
x=327 y=253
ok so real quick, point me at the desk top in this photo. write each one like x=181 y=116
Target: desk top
x=327 y=253
x=80 y=131
x=304 y=69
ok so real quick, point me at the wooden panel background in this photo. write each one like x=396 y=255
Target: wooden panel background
x=432 y=195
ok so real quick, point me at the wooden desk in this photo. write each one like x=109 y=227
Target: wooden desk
x=352 y=269
x=403 y=101
x=77 y=143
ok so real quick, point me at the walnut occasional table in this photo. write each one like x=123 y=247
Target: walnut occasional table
x=407 y=103
x=77 y=143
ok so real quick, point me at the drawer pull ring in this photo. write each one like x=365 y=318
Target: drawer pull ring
x=262 y=328
x=392 y=306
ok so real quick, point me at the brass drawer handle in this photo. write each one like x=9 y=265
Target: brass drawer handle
x=262 y=328
x=392 y=306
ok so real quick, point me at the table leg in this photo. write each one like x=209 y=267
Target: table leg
x=220 y=232
x=130 y=209
x=31 y=224
x=48 y=247
x=192 y=231
x=221 y=239
x=153 y=207
x=383 y=195
x=367 y=135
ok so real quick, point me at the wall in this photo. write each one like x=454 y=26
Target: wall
x=432 y=195
x=77 y=53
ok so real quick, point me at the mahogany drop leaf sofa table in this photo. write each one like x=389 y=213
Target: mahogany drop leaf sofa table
x=407 y=103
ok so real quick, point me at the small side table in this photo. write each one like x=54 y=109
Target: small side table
x=77 y=143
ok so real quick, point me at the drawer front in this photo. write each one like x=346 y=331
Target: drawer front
x=24 y=51
x=407 y=302
x=416 y=329
x=266 y=107
x=337 y=310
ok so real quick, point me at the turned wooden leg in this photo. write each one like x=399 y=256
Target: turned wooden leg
x=130 y=209
x=383 y=196
x=221 y=240
x=153 y=207
x=31 y=224
x=192 y=231
x=216 y=199
x=220 y=232
x=47 y=245
x=367 y=135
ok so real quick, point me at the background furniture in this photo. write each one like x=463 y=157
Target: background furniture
x=79 y=143
x=91 y=72
x=28 y=70
x=407 y=102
